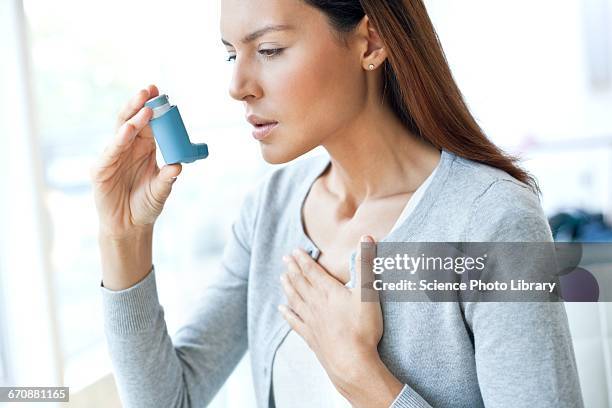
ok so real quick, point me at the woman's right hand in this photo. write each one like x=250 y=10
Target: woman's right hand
x=129 y=188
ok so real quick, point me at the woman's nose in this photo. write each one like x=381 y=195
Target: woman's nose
x=243 y=84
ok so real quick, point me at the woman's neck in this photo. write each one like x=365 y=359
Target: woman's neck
x=376 y=157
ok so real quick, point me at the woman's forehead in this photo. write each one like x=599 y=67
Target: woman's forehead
x=240 y=18
x=268 y=9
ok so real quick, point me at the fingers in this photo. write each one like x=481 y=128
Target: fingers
x=313 y=272
x=125 y=135
x=153 y=91
x=296 y=323
x=131 y=121
x=169 y=172
x=135 y=104
x=128 y=131
x=294 y=298
x=161 y=186
x=363 y=266
x=297 y=276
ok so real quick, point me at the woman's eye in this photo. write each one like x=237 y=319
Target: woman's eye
x=271 y=52
x=268 y=54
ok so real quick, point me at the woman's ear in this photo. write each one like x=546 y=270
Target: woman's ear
x=372 y=50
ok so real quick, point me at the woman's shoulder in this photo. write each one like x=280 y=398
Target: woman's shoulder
x=282 y=183
x=502 y=207
x=279 y=190
x=479 y=177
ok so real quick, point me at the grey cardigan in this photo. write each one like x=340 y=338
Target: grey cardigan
x=446 y=354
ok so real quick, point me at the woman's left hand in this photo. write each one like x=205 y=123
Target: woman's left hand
x=341 y=329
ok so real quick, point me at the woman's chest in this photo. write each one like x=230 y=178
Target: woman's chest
x=336 y=231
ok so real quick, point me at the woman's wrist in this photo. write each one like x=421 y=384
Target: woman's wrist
x=368 y=382
x=125 y=260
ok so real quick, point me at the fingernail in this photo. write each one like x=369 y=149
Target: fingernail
x=296 y=252
x=366 y=238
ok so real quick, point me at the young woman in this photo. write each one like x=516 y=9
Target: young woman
x=406 y=161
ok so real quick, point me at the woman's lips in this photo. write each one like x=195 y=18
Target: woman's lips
x=261 y=131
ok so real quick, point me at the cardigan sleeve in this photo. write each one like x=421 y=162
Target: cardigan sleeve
x=523 y=350
x=153 y=370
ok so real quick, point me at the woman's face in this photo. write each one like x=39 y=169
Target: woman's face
x=300 y=76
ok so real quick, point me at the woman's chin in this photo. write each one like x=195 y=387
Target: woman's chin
x=275 y=153
x=274 y=156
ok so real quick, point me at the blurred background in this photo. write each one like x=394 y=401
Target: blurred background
x=537 y=76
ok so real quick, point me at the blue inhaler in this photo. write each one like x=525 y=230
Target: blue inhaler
x=171 y=135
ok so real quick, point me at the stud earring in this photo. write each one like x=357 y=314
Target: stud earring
x=371 y=67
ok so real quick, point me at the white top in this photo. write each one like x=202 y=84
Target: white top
x=414 y=199
x=298 y=379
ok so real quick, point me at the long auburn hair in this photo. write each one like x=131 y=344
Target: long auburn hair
x=418 y=82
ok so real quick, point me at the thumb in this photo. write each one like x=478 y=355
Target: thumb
x=162 y=183
x=366 y=252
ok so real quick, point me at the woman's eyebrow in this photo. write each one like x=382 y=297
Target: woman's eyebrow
x=256 y=34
